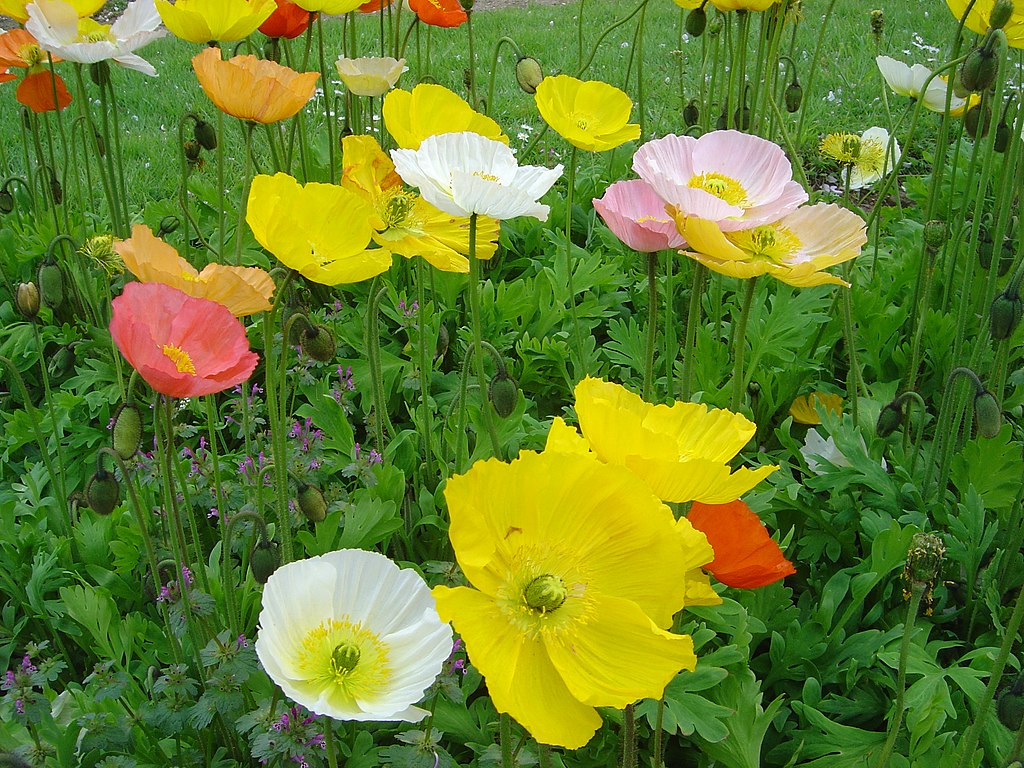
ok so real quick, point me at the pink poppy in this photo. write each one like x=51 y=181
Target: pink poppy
x=636 y=215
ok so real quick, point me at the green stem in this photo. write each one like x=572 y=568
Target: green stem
x=671 y=350
x=247 y=129
x=853 y=385
x=426 y=371
x=652 y=322
x=659 y=733
x=629 y=736
x=570 y=266
x=382 y=424
x=58 y=433
x=472 y=61
x=327 y=88
x=740 y=344
x=505 y=729
x=692 y=320
x=478 y=349
x=332 y=754
x=221 y=513
x=809 y=88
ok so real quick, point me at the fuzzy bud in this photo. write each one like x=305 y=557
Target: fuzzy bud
x=318 y=343
x=192 y=150
x=934 y=235
x=691 y=113
x=56 y=190
x=127 y=431
x=1005 y=314
x=793 y=96
x=51 y=284
x=205 y=135
x=528 y=74
x=99 y=72
x=741 y=118
x=924 y=559
x=167 y=225
x=978 y=71
x=26 y=299
x=977 y=121
x=889 y=420
x=467 y=5
x=877 y=23
x=987 y=413
x=312 y=503
x=504 y=394
x=103 y=492
x=1002 y=12
x=265 y=560
x=696 y=22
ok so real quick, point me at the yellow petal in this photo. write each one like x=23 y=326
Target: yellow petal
x=565 y=439
x=696 y=479
x=432 y=109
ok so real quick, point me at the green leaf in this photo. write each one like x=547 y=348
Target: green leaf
x=688 y=712
x=993 y=467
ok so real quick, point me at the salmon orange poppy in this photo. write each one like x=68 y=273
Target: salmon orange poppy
x=745 y=555
x=182 y=346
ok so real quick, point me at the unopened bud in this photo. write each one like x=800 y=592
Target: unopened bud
x=6 y=201
x=1005 y=314
x=889 y=420
x=99 y=72
x=987 y=414
x=192 y=150
x=265 y=560
x=103 y=492
x=318 y=343
x=1002 y=12
x=715 y=27
x=56 y=190
x=793 y=96
x=924 y=559
x=101 y=144
x=696 y=22
x=1010 y=707
x=877 y=23
x=127 y=431
x=51 y=284
x=691 y=113
x=467 y=5
x=934 y=234
x=504 y=394
x=1002 y=137
x=312 y=503
x=205 y=135
x=529 y=74
x=977 y=121
x=26 y=299
x=741 y=118
x=985 y=247
x=978 y=71
x=272 y=49
x=168 y=224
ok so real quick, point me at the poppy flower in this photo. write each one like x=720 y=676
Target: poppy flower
x=329 y=7
x=591 y=115
x=182 y=346
x=745 y=555
x=804 y=410
x=288 y=20
x=206 y=21
x=439 y=13
x=576 y=571
x=253 y=89
x=369 y=76
x=465 y=174
x=243 y=290
x=366 y=644
x=431 y=109
x=863 y=157
x=18 y=48
x=978 y=17
x=36 y=92
x=910 y=81
x=636 y=215
x=59 y=30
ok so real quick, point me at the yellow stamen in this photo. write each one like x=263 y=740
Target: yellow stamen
x=723 y=187
x=339 y=653
x=844 y=148
x=544 y=591
x=395 y=208
x=772 y=242
x=181 y=359
x=31 y=54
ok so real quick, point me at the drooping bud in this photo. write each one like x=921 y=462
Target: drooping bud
x=265 y=559
x=1005 y=314
x=504 y=394
x=192 y=150
x=26 y=299
x=1002 y=12
x=741 y=118
x=979 y=69
x=103 y=492
x=127 y=432
x=1002 y=138
x=56 y=190
x=985 y=247
x=691 y=113
x=696 y=22
x=987 y=413
x=99 y=72
x=528 y=74
x=1010 y=706
x=51 y=283
x=312 y=503
x=793 y=96
x=101 y=144
x=205 y=135
x=318 y=343
x=977 y=121
x=6 y=201
x=272 y=49
x=889 y=420
x=467 y=5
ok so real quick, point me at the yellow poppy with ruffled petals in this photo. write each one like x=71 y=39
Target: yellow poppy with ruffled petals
x=321 y=230
x=591 y=115
x=576 y=569
x=205 y=21
x=977 y=19
x=429 y=110
x=404 y=222
x=680 y=451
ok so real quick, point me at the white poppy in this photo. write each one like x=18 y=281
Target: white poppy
x=465 y=174
x=352 y=636
x=909 y=81
x=873 y=163
x=370 y=76
x=55 y=24
x=817 y=449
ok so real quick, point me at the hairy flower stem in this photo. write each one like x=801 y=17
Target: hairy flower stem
x=505 y=728
x=629 y=736
x=103 y=159
x=580 y=364
x=692 y=321
x=652 y=322
x=740 y=344
x=659 y=734
x=332 y=754
x=853 y=377
x=670 y=328
x=917 y=591
x=58 y=433
x=382 y=424
x=478 y=348
x=426 y=371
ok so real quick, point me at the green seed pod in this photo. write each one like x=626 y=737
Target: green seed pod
x=167 y=225
x=696 y=22
x=1002 y=11
x=56 y=190
x=977 y=121
x=934 y=235
x=1002 y=139
x=889 y=420
x=192 y=150
x=205 y=135
x=504 y=394
x=103 y=492
x=127 y=430
x=985 y=247
x=877 y=23
x=26 y=299
x=987 y=413
x=1010 y=708
x=99 y=72
x=793 y=96
x=691 y=113
x=318 y=343
x=1004 y=315
x=6 y=201
x=265 y=560
x=979 y=69
x=51 y=284
x=528 y=74
x=924 y=559
x=312 y=503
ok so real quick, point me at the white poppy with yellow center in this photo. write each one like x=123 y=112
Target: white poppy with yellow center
x=795 y=249
x=352 y=636
x=370 y=76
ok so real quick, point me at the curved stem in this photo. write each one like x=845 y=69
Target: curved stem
x=692 y=320
x=426 y=371
x=740 y=344
x=570 y=266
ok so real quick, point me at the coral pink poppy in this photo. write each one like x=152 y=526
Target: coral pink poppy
x=182 y=346
x=745 y=555
x=636 y=215
x=734 y=179
x=288 y=20
x=439 y=13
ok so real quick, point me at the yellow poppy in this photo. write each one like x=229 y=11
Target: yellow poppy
x=590 y=115
x=977 y=19
x=321 y=230
x=17 y=9
x=253 y=89
x=430 y=109
x=404 y=222
x=804 y=410
x=243 y=290
x=205 y=21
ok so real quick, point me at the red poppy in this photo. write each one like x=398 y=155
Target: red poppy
x=182 y=346
x=288 y=20
x=37 y=89
x=745 y=555
x=439 y=13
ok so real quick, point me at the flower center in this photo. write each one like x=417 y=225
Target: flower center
x=581 y=121
x=90 y=31
x=345 y=658
x=844 y=148
x=721 y=186
x=545 y=593
x=396 y=207
x=772 y=242
x=31 y=54
x=181 y=359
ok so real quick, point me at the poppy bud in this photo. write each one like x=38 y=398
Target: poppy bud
x=318 y=343
x=528 y=74
x=26 y=299
x=691 y=113
x=312 y=503
x=442 y=342
x=103 y=492
x=934 y=235
x=741 y=118
x=715 y=27
x=99 y=72
x=272 y=49
x=979 y=70
x=205 y=135
x=503 y=394
x=265 y=559
x=467 y=5
x=51 y=284
x=101 y=144
x=167 y=225
x=889 y=420
x=985 y=247
x=793 y=96
x=127 y=430
x=1002 y=11
x=56 y=190
x=1002 y=139
x=987 y=414
x=723 y=122
x=696 y=22
x=977 y=121
x=6 y=201
x=1005 y=258
x=192 y=150
x=1005 y=315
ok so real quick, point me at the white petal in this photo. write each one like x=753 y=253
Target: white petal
x=139 y=16
x=53 y=23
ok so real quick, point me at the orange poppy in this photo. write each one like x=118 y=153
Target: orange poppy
x=373 y=5
x=243 y=290
x=182 y=346
x=288 y=20
x=439 y=13
x=18 y=48
x=745 y=555
x=37 y=91
x=253 y=89
x=6 y=76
